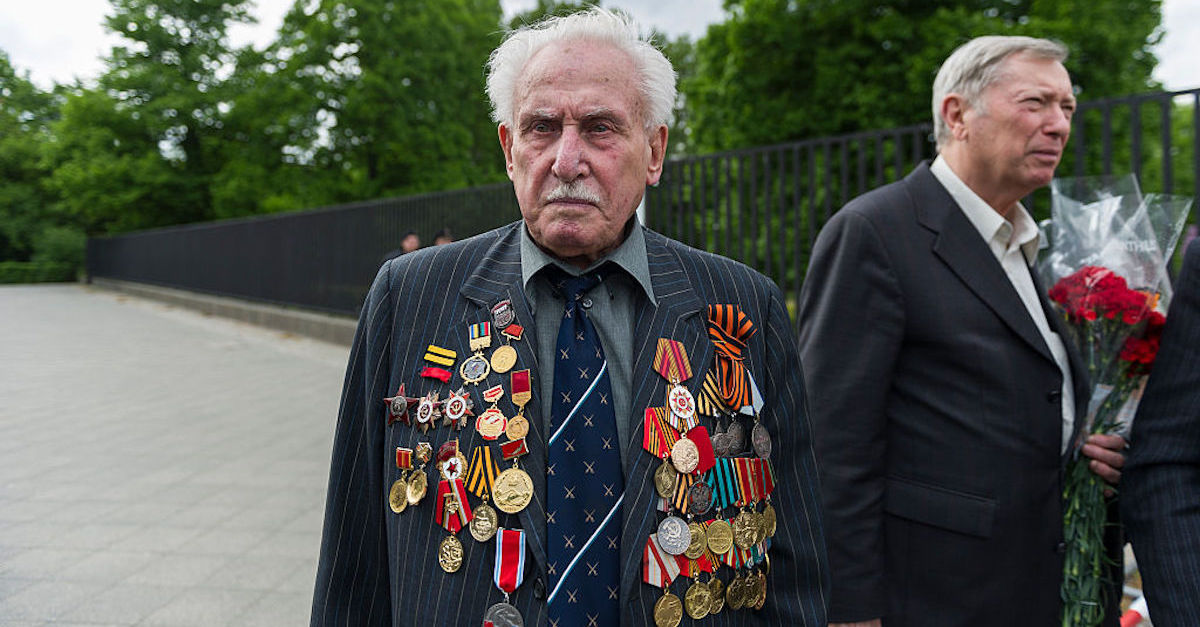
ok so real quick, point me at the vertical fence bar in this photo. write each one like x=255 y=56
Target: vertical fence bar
x=1106 y=138
x=1135 y=135
x=1168 y=169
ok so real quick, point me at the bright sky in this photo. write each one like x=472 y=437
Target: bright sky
x=59 y=40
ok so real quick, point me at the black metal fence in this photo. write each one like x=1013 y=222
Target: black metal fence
x=763 y=206
x=323 y=259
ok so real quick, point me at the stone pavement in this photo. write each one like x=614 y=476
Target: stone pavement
x=157 y=466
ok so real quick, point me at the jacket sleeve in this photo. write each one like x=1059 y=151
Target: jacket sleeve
x=851 y=331
x=800 y=567
x=352 y=575
x=1160 y=489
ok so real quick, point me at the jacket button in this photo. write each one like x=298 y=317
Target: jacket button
x=1055 y=396
x=1061 y=548
x=539 y=589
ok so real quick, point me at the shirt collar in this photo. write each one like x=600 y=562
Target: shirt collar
x=1000 y=234
x=630 y=256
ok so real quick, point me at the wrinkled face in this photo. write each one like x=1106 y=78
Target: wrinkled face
x=1016 y=138
x=577 y=151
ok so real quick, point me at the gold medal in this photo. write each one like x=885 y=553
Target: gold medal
x=668 y=611
x=484 y=523
x=504 y=358
x=698 y=545
x=398 y=496
x=720 y=537
x=517 y=428
x=769 y=521
x=733 y=593
x=760 y=527
x=513 y=490
x=664 y=480
x=761 y=592
x=685 y=456
x=450 y=554
x=697 y=600
x=744 y=530
x=717 y=591
x=418 y=483
x=491 y=424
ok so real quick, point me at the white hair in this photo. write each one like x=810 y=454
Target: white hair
x=977 y=65
x=657 y=77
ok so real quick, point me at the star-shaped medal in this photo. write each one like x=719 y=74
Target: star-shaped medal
x=429 y=408
x=399 y=405
x=457 y=407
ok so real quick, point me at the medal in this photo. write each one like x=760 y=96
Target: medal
x=521 y=392
x=700 y=498
x=720 y=536
x=733 y=593
x=698 y=543
x=491 y=424
x=481 y=476
x=761 y=591
x=697 y=600
x=418 y=483
x=671 y=361
x=664 y=479
x=450 y=554
x=513 y=489
x=398 y=496
x=745 y=530
x=504 y=358
x=517 y=428
x=668 y=610
x=476 y=367
x=717 y=595
x=769 y=521
x=685 y=456
x=457 y=407
x=674 y=535
x=399 y=405
x=428 y=410
x=761 y=440
x=737 y=437
x=507 y=574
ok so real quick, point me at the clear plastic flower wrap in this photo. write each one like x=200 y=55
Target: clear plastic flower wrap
x=1106 y=266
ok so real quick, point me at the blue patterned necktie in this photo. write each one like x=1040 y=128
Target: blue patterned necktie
x=584 y=484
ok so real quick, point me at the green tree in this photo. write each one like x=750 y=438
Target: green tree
x=397 y=94
x=26 y=113
x=780 y=70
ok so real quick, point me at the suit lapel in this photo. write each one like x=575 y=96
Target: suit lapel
x=497 y=277
x=961 y=248
x=677 y=316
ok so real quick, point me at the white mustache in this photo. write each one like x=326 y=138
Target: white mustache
x=574 y=190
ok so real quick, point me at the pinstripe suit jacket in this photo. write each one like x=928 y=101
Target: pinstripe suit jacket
x=1160 y=500
x=380 y=568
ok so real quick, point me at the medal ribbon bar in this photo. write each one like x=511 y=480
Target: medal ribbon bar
x=659 y=568
x=440 y=356
x=481 y=475
x=509 y=571
x=671 y=361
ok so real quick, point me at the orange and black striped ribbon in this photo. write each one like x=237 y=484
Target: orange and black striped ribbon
x=730 y=329
x=671 y=361
x=682 y=483
x=481 y=473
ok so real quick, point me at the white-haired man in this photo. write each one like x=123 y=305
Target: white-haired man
x=944 y=399
x=521 y=369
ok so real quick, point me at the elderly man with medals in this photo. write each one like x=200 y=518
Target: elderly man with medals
x=504 y=383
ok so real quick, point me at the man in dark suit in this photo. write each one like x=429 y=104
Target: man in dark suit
x=582 y=104
x=1160 y=502
x=944 y=399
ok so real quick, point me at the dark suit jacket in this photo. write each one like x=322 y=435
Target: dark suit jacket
x=936 y=413
x=380 y=568
x=1161 y=485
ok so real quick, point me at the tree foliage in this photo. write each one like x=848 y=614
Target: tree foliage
x=780 y=70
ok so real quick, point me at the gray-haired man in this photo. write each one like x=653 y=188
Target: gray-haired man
x=943 y=396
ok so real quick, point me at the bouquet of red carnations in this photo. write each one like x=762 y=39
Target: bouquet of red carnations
x=1107 y=267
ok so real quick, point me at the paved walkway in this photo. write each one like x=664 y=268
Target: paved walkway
x=157 y=467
